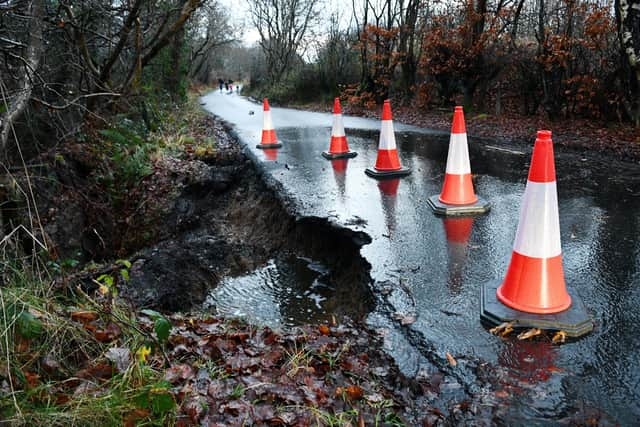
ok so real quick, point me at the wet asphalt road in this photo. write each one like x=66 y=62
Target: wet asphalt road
x=433 y=268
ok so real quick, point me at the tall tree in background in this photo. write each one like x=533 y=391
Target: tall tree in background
x=283 y=26
x=628 y=20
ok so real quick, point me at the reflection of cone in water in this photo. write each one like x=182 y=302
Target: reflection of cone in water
x=458 y=196
x=535 y=280
x=529 y=361
x=339 y=167
x=270 y=154
x=338 y=147
x=387 y=163
x=458 y=231
x=388 y=192
x=269 y=139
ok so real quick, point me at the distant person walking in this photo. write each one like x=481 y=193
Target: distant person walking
x=220 y=83
x=226 y=86
x=230 y=86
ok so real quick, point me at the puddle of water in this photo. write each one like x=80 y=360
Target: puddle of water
x=286 y=291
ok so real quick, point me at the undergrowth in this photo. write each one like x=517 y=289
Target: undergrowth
x=68 y=358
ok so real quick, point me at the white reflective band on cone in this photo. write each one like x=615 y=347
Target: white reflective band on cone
x=538 y=232
x=387 y=137
x=267 y=125
x=458 y=156
x=338 y=127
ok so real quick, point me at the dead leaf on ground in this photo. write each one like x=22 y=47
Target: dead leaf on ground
x=502 y=329
x=84 y=316
x=559 y=337
x=529 y=334
x=405 y=318
x=120 y=356
x=451 y=359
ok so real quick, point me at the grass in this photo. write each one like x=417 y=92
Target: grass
x=43 y=353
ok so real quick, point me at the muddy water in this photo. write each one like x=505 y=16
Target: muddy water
x=432 y=268
x=286 y=291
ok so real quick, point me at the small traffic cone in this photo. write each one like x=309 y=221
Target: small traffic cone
x=269 y=139
x=457 y=196
x=338 y=147
x=535 y=281
x=388 y=163
x=533 y=293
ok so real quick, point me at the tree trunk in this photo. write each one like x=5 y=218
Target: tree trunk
x=628 y=21
x=31 y=63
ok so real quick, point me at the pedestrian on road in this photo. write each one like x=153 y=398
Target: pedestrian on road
x=220 y=83
x=226 y=86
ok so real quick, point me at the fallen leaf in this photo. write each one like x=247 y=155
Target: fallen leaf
x=84 y=316
x=502 y=329
x=559 y=337
x=132 y=418
x=529 y=334
x=451 y=360
x=324 y=329
x=120 y=356
x=354 y=392
x=405 y=318
x=178 y=373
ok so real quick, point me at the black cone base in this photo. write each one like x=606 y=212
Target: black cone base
x=575 y=321
x=479 y=207
x=374 y=173
x=333 y=156
x=264 y=146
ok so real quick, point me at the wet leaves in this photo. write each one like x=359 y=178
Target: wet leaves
x=451 y=360
x=529 y=334
x=559 y=337
x=405 y=318
x=502 y=329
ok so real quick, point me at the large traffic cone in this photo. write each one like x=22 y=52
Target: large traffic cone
x=338 y=148
x=269 y=139
x=457 y=196
x=534 y=285
x=535 y=280
x=388 y=163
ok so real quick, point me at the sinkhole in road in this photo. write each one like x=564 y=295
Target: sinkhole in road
x=287 y=291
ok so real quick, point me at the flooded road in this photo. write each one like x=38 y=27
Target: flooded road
x=432 y=268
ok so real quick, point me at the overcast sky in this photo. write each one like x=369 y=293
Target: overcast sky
x=239 y=12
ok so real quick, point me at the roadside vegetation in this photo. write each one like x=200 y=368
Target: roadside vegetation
x=513 y=65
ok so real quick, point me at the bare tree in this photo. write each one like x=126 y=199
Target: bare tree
x=628 y=20
x=26 y=59
x=283 y=26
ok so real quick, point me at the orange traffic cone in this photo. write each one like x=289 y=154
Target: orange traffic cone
x=269 y=139
x=533 y=294
x=535 y=281
x=457 y=195
x=338 y=147
x=388 y=162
